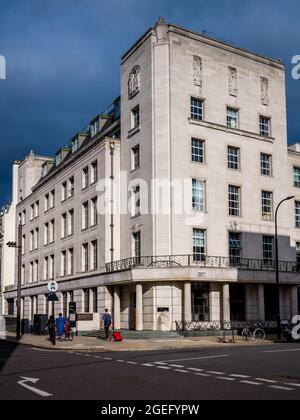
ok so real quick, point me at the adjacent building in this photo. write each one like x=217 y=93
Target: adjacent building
x=193 y=158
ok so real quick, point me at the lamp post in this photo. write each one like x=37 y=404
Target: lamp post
x=18 y=246
x=277 y=267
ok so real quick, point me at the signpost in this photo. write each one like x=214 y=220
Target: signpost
x=52 y=297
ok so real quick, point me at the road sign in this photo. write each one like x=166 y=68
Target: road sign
x=52 y=286
x=53 y=298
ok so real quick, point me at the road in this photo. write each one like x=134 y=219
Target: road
x=227 y=373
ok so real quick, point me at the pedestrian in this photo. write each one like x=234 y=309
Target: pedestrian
x=60 y=325
x=51 y=329
x=107 y=322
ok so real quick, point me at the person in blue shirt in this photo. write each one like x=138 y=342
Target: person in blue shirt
x=107 y=322
x=60 y=325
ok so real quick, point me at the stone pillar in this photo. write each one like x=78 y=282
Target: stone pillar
x=294 y=300
x=117 y=308
x=91 y=301
x=261 y=302
x=187 y=302
x=139 y=308
x=214 y=302
x=226 y=303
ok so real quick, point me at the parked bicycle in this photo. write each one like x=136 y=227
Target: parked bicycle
x=254 y=332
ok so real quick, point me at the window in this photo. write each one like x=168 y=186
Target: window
x=31 y=272
x=52 y=232
x=36 y=238
x=70 y=262
x=47 y=202
x=32 y=212
x=267 y=205
x=296 y=177
x=135 y=117
x=232 y=118
x=52 y=199
x=266 y=165
x=197 y=109
x=298 y=255
x=36 y=271
x=71 y=222
x=75 y=143
x=268 y=250
x=23 y=244
x=235 y=247
x=86 y=301
x=297 y=214
x=94 y=211
x=137 y=251
x=85 y=258
x=198 y=195
x=46 y=233
x=23 y=218
x=136 y=201
x=23 y=274
x=37 y=209
x=85 y=215
x=265 y=126
x=135 y=158
x=31 y=247
x=64 y=191
x=199 y=245
x=71 y=187
x=234 y=201
x=200 y=302
x=94 y=172
x=63 y=225
x=95 y=128
x=85 y=178
x=198 y=151
x=51 y=267
x=46 y=268
x=63 y=272
x=94 y=255
x=234 y=158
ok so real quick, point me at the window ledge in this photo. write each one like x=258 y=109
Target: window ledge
x=134 y=131
x=236 y=131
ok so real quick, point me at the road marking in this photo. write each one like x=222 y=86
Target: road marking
x=163 y=367
x=266 y=380
x=97 y=357
x=196 y=370
x=108 y=358
x=291 y=384
x=281 y=351
x=31 y=388
x=132 y=363
x=282 y=388
x=177 y=366
x=250 y=383
x=181 y=371
x=216 y=373
x=148 y=364
x=224 y=378
x=240 y=376
x=160 y=363
x=87 y=355
x=79 y=354
x=197 y=358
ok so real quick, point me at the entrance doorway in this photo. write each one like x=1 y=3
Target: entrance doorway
x=270 y=302
x=132 y=312
x=237 y=302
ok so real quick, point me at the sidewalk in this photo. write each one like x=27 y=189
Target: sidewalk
x=94 y=344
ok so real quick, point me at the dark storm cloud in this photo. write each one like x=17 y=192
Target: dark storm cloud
x=63 y=59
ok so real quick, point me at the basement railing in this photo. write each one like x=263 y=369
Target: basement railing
x=183 y=261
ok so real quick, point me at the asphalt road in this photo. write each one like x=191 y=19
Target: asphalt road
x=227 y=373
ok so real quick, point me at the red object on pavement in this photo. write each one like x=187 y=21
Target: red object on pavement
x=117 y=336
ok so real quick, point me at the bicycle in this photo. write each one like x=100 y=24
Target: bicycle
x=69 y=334
x=254 y=333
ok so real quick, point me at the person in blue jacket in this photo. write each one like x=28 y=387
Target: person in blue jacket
x=60 y=325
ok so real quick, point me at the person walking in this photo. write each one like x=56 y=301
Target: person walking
x=51 y=329
x=107 y=322
x=60 y=325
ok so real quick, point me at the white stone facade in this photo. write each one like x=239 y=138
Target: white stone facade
x=241 y=128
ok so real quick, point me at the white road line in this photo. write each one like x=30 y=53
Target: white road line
x=163 y=367
x=250 y=383
x=216 y=373
x=196 y=370
x=240 y=376
x=224 y=378
x=197 y=358
x=292 y=384
x=177 y=366
x=266 y=380
x=107 y=358
x=37 y=391
x=97 y=357
x=145 y=364
x=87 y=355
x=282 y=388
x=131 y=363
x=205 y=375
x=281 y=351
x=181 y=371
x=79 y=354
x=160 y=363
x=121 y=361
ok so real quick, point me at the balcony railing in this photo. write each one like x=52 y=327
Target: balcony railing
x=177 y=261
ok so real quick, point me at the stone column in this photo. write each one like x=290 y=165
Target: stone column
x=139 y=308
x=117 y=308
x=261 y=302
x=91 y=301
x=294 y=300
x=226 y=303
x=187 y=302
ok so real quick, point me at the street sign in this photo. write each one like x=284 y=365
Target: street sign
x=53 y=298
x=52 y=286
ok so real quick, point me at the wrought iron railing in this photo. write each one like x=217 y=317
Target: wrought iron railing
x=226 y=325
x=176 y=261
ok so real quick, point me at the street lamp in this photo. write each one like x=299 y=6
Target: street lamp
x=277 y=267
x=18 y=246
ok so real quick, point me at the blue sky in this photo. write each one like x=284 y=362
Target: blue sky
x=63 y=59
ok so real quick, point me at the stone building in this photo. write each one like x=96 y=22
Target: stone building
x=196 y=154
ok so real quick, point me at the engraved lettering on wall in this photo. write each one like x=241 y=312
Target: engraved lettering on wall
x=265 y=91
x=197 y=66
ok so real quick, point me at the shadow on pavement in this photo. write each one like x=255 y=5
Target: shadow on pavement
x=7 y=348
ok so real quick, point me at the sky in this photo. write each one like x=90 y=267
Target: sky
x=63 y=60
